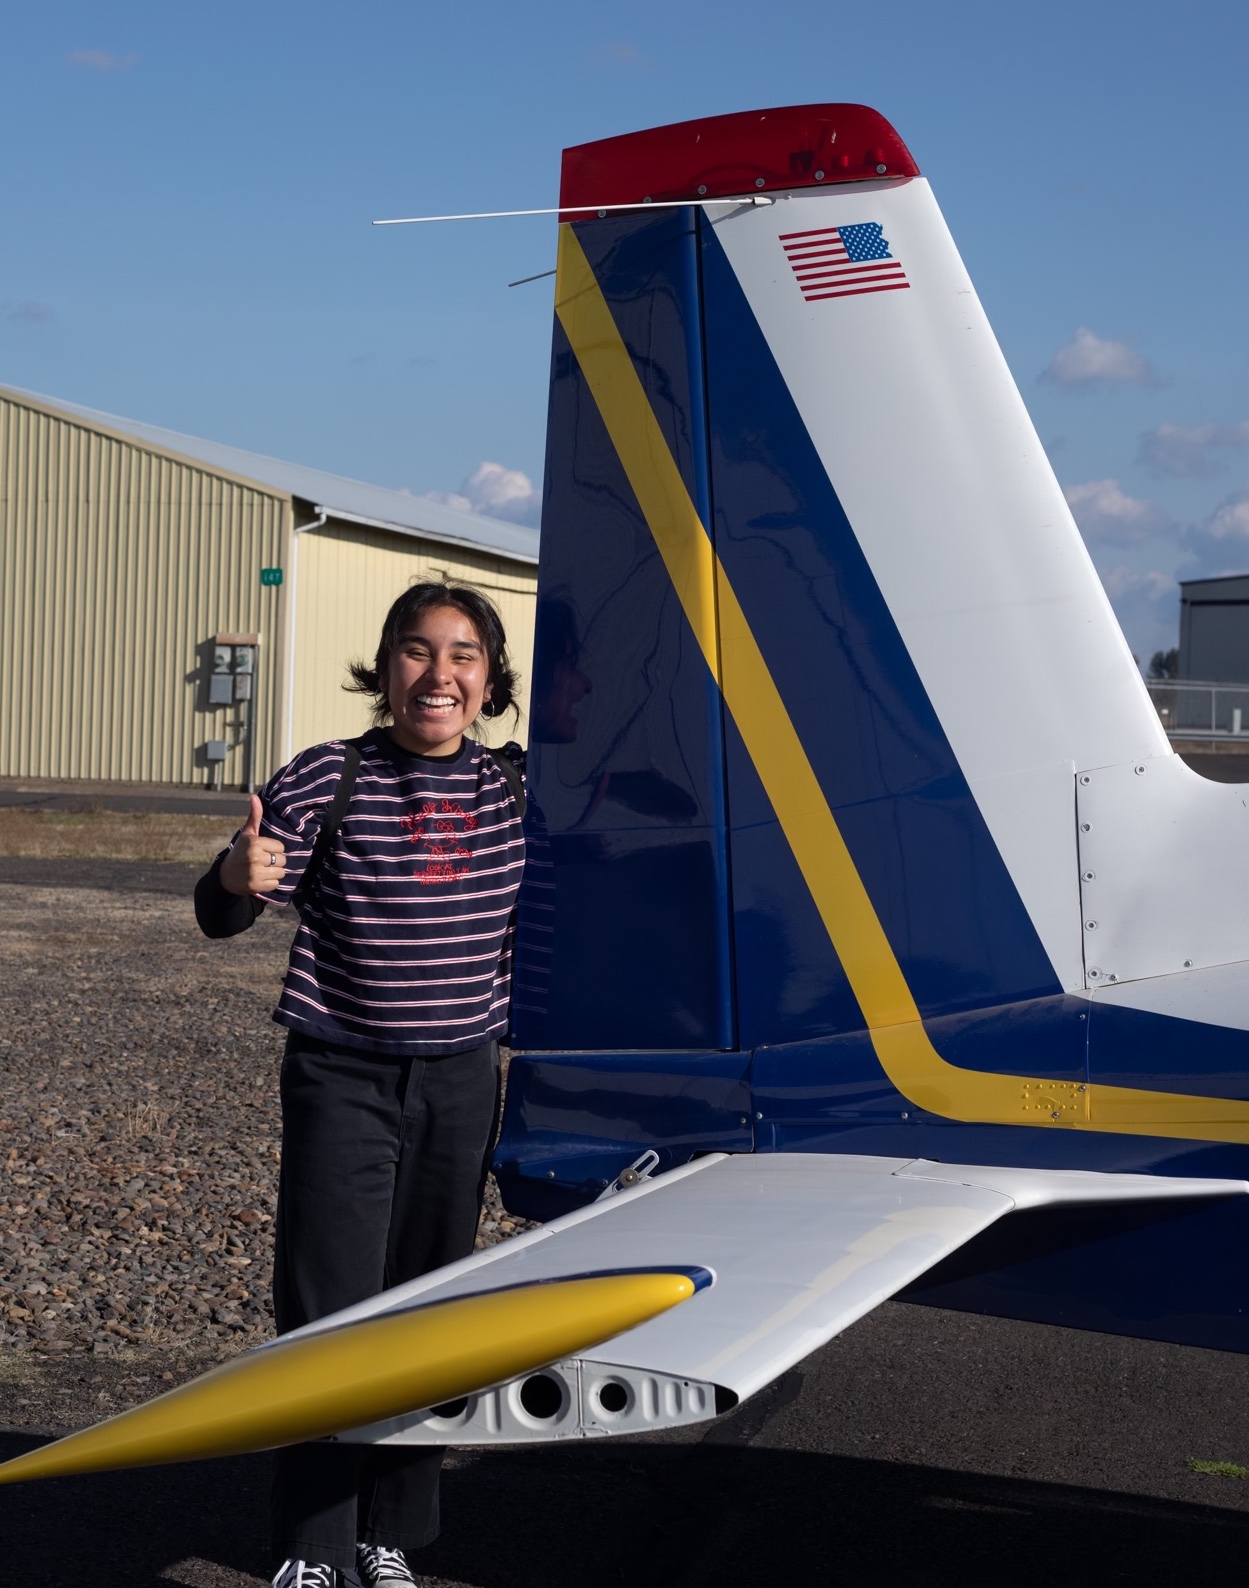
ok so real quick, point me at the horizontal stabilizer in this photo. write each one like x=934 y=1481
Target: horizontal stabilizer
x=575 y=1328
x=801 y=1245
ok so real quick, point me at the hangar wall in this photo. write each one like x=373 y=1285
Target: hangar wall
x=1214 y=629
x=121 y=560
x=347 y=576
x=118 y=564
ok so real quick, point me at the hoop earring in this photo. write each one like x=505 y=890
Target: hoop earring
x=487 y=708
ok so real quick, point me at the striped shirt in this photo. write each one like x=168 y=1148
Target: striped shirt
x=405 y=945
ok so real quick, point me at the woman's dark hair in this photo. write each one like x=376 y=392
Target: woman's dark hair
x=417 y=599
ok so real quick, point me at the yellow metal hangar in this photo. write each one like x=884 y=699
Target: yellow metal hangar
x=174 y=610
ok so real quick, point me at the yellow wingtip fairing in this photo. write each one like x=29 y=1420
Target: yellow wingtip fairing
x=360 y=1373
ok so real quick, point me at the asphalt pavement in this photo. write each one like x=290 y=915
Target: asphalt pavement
x=98 y=794
x=922 y=1447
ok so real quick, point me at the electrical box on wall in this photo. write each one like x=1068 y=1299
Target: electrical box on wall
x=234 y=667
x=234 y=658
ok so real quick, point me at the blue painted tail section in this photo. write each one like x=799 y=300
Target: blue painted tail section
x=656 y=846
x=624 y=926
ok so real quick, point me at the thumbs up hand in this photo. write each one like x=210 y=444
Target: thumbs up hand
x=255 y=864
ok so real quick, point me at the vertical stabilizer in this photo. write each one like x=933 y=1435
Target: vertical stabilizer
x=836 y=647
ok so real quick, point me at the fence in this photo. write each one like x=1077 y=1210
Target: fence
x=1191 y=710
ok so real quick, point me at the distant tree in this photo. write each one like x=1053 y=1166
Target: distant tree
x=1164 y=664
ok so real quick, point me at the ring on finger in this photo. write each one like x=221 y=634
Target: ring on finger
x=273 y=859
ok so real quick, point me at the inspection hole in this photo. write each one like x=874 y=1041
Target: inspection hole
x=613 y=1397
x=454 y=1408
x=541 y=1396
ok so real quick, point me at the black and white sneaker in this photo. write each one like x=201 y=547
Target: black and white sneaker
x=305 y=1574
x=380 y=1567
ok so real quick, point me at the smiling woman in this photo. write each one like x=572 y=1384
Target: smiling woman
x=437 y=683
x=408 y=846
x=442 y=662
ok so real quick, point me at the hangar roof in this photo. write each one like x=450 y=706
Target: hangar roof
x=1221 y=589
x=353 y=500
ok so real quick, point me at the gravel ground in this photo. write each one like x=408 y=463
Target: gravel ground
x=139 y=1131
x=165 y=836
x=138 y=1143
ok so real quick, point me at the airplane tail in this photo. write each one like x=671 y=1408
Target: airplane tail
x=827 y=691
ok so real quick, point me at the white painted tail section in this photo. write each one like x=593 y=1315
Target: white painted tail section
x=928 y=444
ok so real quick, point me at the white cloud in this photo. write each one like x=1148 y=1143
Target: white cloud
x=101 y=60
x=1227 y=525
x=450 y=499
x=1105 y=512
x=1185 y=450
x=1090 y=363
x=1219 y=543
x=1152 y=584
x=1147 y=606
x=496 y=491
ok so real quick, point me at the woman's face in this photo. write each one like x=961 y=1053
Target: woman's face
x=437 y=681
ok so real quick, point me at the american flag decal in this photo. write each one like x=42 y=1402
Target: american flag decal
x=843 y=261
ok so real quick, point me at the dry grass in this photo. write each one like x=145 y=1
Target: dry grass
x=146 y=1119
x=112 y=835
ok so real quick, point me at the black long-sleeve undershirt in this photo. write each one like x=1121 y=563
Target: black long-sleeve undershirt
x=218 y=912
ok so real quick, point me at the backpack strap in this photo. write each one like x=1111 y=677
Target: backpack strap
x=510 y=760
x=330 y=823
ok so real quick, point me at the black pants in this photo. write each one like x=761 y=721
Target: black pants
x=384 y=1162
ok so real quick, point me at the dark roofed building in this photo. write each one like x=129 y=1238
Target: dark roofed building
x=1214 y=629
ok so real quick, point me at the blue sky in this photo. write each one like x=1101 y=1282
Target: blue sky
x=187 y=193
